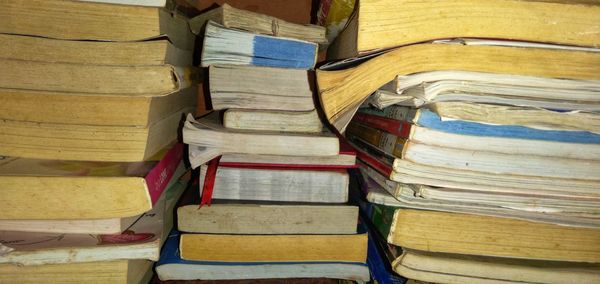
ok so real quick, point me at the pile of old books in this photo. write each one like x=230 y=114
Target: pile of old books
x=91 y=98
x=273 y=180
x=480 y=158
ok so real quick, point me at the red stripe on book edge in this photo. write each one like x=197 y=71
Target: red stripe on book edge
x=158 y=178
x=392 y=126
x=286 y=166
x=209 y=181
x=374 y=163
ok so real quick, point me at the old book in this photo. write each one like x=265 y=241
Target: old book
x=384 y=24
x=83 y=190
x=265 y=88
x=226 y=217
x=172 y=267
x=55 y=141
x=92 y=108
x=285 y=121
x=234 y=18
x=454 y=268
x=507 y=89
x=492 y=236
x=94 y=21
x=275 y=184
x=231 y=46
x=345 y=159
x=148 y=3
x=141 y=241
x=115 y=271
x=274 y=248
x=298 y=11
x=342 y=91
x=209 y=139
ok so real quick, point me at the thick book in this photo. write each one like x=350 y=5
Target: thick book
x=75 y=20
x=342 y=91
x=234 y=18
x=83 y=190
x=266 y=120
x=264 y=88
x=240 y=217
x=350 y=248
x=458 y=269
x=172 y=267
x=279 y=184
x=492 y=236
x=208 y=139
x=230 y=46
x=507 y=89
x=102 y=143
x=379 y=25
x=140 y=241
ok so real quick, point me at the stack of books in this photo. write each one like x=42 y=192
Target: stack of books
x=273 y=181
x=92 y=95
x=479 y=158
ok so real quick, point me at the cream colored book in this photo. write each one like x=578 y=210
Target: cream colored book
x=231 y=17
x=377 y=25
x=284 y=121
x=458 y=269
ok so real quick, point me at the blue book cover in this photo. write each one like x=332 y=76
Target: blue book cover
x=229 y=46
x=431 y=120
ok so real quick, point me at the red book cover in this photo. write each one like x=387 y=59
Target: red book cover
x=392 y=126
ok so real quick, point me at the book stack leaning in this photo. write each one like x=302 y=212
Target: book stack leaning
x=479 y=159
x=274 y=182
x=92 y=96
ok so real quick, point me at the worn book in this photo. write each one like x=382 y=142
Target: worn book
x=142 y=240
x=209 y=139
x=234 y=18
x=83 y=190
x=468 y=234
x=279 y=184
x=265 y=120
x=425 y=88
x=76 y=20
x=341 y=92
x=377 y=25
x=172 y=267
x=231 y=46
x=274 y=248
x=264 y=88
x=243 y=217
x=458 y=269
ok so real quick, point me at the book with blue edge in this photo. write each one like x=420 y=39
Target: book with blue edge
x=172 y=267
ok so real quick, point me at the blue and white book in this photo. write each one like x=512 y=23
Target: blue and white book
x=172 y=267
x=230 y=46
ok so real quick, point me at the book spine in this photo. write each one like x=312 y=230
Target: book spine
x=374 y=162
x=402 y=113
x=158 y=178
x=386 y=142
x=392 y=126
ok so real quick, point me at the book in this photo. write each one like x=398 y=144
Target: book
x=140 y=241
x=148 y=3
x=461 y=86
x=172 y=267
x=94 y=22
x=298 y=12
x=264 y=88
x=234 y=18
x=229 y=46
x=54 y=141
x=342 y=91
x=379 y=25
x=92 y=108
x=279 y=184
x=83 y=190
x=209 y=139
x=284 y=121
x=345 y=159
x=454 y=268
x=115 y=271
x=137 y=53
x=492 y=236
x=274 y=248
x=238 y=217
